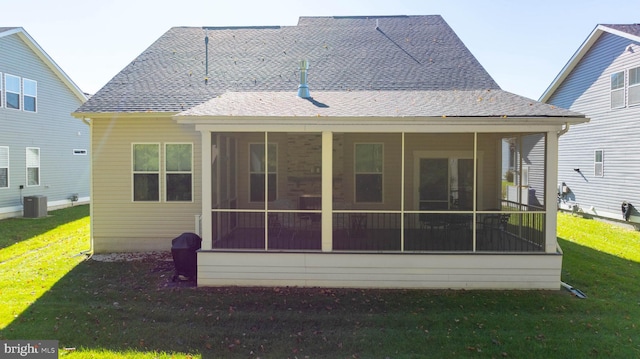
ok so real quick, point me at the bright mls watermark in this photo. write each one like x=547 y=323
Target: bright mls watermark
x=32 y=349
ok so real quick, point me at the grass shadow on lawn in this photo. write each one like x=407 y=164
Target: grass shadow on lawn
x=133 y=307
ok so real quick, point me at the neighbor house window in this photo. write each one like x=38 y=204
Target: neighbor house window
x=30 y=92
x=263 y=162
x=1 y=97
x=598 y=162
x=178 y=171
x=4 y=167
x=634 y=86
x=368 y=172
x=12 y=91
x=33 y=166
x=146 y=172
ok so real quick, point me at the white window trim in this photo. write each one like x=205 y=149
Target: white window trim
x=595 y=163
x=355 y=172
x=166 y=172
x=19 y=93
x=24 y=95
x=8 y=158
x=27 y=167
x=134 y=172
x=1 y=90
x=266 y=171
x=635 y=86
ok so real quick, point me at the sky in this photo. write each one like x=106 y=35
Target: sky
x=522 y=44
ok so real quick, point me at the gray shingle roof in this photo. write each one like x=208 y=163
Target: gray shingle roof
x=631 y=29
x=391 y=54
x=447 y=103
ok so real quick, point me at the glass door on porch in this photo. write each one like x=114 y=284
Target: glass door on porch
x=445 y=184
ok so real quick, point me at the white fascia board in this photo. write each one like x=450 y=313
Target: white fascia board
x=33 y=45
x=579 y=54
x=571 y=64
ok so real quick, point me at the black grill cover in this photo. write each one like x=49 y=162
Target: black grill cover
x=183 y=250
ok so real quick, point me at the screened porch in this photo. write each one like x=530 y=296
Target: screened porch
x=378 y=192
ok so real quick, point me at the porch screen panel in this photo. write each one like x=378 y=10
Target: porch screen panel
x=434 y=184
x=511 y=211
x=368 y=162
x=367 y=190
x=261 y=167
x=215 y=164
x=524 y=170
x=295 y=217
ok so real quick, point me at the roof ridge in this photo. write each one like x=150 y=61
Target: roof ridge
x=273 y=27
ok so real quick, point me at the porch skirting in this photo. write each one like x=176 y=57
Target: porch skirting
x=380 y=270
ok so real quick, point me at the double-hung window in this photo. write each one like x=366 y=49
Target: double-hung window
x=146 y=172
x=30 y=92
x=12 y=91
x=33 y=166
x=368 y=172
x=634 y=86
x=263 y=164
x=179 y=171
x=4 y=167
x=598 y=163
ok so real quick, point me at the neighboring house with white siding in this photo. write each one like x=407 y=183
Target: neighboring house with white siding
x=340 y=152
x=599 y=165
x=44 y=151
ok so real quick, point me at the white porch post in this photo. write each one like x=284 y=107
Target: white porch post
x=205 y=197
x=551 y=196
x=327 y=191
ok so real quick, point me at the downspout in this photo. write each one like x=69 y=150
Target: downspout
x=576 y=292
x=89 y=253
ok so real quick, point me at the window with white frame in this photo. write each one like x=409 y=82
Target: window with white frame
x=146 y=172
x=12 y=91
x=1 y=92
x=263 y=163
x=30 y=94
x=4 y=167
x=178 y=171
x=368 y=172
x=634 y=86
x=33 y=166
x=598 y=163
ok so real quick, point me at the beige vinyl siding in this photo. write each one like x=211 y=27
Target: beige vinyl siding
x=119 y=223
x=455 y=271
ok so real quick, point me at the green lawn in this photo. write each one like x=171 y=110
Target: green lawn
x=131 y=309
